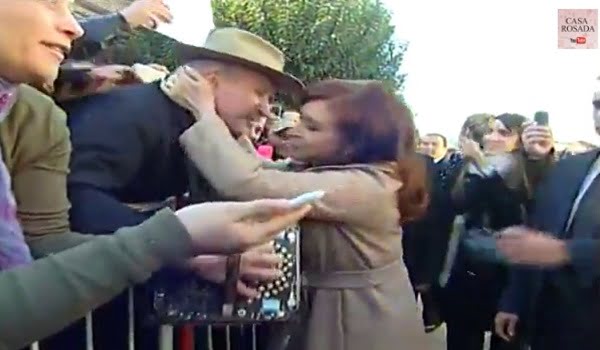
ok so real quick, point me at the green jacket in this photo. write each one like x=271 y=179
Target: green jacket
x=76 y=272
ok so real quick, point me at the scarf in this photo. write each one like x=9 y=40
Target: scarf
x=13 y=249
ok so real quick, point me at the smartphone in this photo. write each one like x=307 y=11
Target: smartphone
x=306 y=198
x=541 y=118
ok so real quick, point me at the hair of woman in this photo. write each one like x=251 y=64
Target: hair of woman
x=377 y=127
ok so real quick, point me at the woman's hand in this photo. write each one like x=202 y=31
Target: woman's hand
x=260 y=264
x=146 y=13
x=537 y=141
x=191 y=90
x=234 y=227
x=472 y=150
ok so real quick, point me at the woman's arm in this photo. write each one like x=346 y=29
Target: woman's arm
x=44 y=297
x=238 y=175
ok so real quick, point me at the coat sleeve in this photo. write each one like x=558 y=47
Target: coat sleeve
x=40 y=170
x=238 y=175
x=108 y=155
x=46 y=296
x=99 y=212
x=98 y=30
x=585 y=259
x=517 y=294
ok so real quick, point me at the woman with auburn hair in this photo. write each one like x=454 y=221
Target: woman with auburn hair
x=356 y=142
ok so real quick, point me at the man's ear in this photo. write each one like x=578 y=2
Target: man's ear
x=213 y=79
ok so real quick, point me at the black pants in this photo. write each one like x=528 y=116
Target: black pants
x=110 y=329
x=463 y=337
x=468 y=305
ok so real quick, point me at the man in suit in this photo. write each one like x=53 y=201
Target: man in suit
x=555 y=288
x=435 y=146
x=127 y=161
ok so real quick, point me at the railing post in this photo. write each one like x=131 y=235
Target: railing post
x=89 y=332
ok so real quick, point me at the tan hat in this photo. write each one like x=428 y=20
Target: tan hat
x=246 y=49
x=289 y=119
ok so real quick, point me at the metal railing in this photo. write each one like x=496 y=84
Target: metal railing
x=166 y=335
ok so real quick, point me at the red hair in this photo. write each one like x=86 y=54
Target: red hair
x=377 y=127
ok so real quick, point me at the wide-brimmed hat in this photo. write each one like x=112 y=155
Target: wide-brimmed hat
x=245 y=49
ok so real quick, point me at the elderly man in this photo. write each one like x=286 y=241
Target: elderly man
x=127 y=161
x=558 y=281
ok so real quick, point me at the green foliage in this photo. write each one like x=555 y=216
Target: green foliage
x=141 y=47
x=351 y=39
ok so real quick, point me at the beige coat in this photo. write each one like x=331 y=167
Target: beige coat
x=351 y=246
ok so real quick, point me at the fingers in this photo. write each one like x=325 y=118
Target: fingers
x=163 y=13
x=261 y=274
x=513 y=232
x=500 y=328
x=262 y=208
x=541 y=140
x=537 y=136
x=260 y=232
x=265 y=260
x=246 y=291
x=192 y=73
x=261 y=266
x=511 y=328
x=159 y=67
x=263 y=248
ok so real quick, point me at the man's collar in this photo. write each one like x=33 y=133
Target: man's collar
x=440 y=159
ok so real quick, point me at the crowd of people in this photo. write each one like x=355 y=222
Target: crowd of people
x=111 y=172
x=507 y=244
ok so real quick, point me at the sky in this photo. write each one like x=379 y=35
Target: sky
x=474 y=56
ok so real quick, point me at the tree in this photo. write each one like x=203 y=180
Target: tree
x=320 y=38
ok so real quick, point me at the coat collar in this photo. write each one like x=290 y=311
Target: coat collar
x=8 y=97
x=385 y=167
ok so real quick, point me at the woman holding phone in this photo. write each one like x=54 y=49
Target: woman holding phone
x=357 y=144
x=503 y=160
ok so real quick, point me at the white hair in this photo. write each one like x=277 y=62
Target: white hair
x=206 y=66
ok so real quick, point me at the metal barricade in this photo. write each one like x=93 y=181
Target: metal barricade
x=167 y=334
